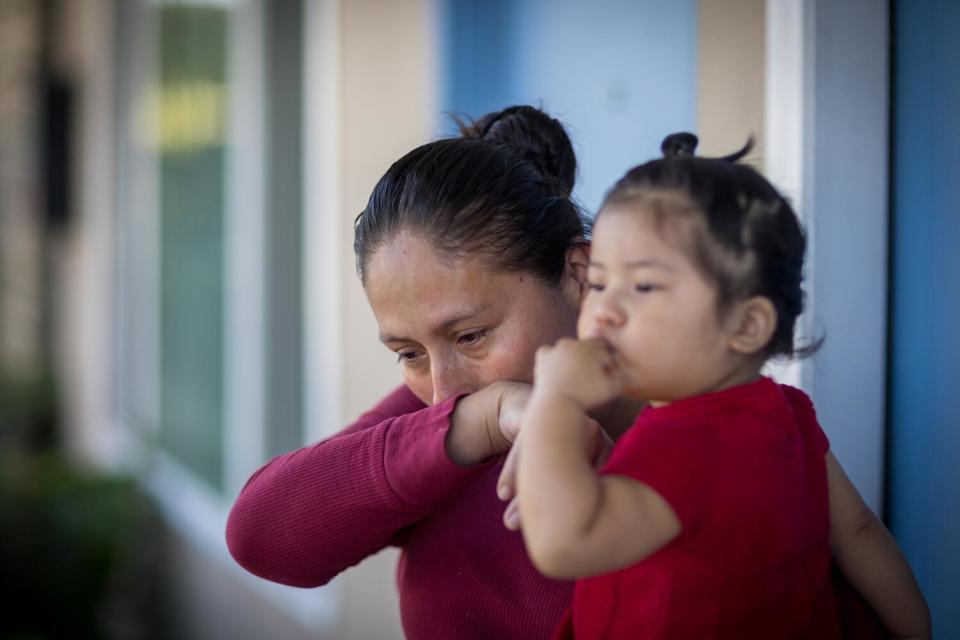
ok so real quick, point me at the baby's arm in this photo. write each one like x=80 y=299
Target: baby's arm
x=576 y=523
x=871 y=561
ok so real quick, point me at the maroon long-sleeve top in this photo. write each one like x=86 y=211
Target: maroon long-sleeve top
x=386 y=480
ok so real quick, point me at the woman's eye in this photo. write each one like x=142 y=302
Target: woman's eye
x=470 y=339
x=645 y=288
x=407 y=356
x=595 y=286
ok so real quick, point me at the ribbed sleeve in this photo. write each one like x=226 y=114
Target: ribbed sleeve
x=307 y=515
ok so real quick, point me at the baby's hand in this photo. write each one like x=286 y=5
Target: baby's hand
x=583 y=371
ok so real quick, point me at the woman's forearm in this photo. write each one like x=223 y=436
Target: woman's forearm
x=307 y=515
x=871 y=561
x=873 y=564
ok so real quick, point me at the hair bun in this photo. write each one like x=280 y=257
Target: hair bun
x=679 y=144
x=541 y=138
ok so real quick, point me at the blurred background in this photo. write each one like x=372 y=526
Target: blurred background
x=178 y=302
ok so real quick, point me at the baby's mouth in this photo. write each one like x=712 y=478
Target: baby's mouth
x=612 y=349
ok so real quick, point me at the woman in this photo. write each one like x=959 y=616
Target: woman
x=472 y=255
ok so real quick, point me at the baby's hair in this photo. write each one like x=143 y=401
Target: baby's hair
x=744 y=237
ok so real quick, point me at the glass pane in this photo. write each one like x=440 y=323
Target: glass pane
x=189 y=115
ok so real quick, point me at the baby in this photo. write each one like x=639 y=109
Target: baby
x=719 y=511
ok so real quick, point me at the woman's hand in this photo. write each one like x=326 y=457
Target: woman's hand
x=598 y=446
x=514 y=398
x=485 y=424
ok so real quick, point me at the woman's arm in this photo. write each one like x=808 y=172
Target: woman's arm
x=307 y=515
x=870 y=560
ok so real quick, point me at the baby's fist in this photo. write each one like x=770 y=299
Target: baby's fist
x=584 y=371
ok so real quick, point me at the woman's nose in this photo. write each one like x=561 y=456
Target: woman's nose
x=449 y=379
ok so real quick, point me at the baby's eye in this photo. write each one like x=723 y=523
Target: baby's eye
x=645 y=288
x=472 y=338
x=595 y=286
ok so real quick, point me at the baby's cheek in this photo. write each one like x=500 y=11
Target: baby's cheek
x=586 y=327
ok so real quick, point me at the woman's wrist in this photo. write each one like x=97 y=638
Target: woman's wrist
x=474 y=434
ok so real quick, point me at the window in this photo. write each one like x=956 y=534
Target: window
x=210 y=217
x=209 y=373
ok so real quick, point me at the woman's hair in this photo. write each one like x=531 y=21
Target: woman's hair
x=744 y=236
x=501 y=192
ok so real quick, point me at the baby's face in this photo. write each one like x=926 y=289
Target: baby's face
x=653 y=306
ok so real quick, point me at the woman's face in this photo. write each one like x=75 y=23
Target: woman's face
x=457 y=325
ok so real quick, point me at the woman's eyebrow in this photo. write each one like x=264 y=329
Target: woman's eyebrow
x=443 y=325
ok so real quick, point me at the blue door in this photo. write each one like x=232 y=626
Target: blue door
x=924 y=430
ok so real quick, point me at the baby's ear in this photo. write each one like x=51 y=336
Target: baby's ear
x=752 y=323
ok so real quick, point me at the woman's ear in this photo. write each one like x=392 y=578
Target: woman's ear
x=574 y=282
x=752 y=323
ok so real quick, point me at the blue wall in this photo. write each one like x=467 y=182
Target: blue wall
x=620 y=74
x=924 y=446
x=846 y=172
